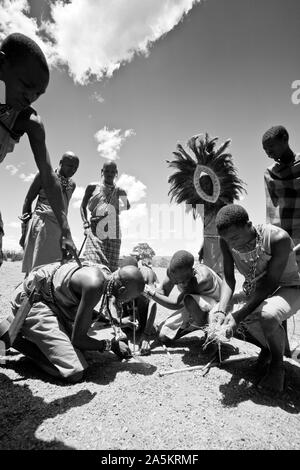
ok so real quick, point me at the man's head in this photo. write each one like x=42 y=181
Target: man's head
x=234 y=226
x=68 y=164
x=180 y=269
x=275 y=142
x=128 y=283
x=109 y=172
x=24 y=69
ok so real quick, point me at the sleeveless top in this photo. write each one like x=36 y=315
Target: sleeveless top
x=104 y=203
x=244 y=261
x=192 y=288
x=43 y=206
x=8 y=117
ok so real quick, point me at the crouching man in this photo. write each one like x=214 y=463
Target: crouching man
x=264 y=255
x=55 y=331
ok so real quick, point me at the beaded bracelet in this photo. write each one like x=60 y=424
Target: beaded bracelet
x=220 y=311
x=107 y=345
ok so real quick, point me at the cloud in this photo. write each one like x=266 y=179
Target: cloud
x=134 y=222
x=27 y=178
x=110 y=142
x=12 y=169
x=14 y=172
x=96 y=96
x=111 y=32
x=15 y=16
x=135 y=189
x=77 y=196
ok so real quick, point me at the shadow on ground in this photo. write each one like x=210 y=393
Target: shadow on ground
x=23 y=413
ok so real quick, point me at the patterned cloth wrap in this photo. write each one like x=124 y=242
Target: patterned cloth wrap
x=282 y=186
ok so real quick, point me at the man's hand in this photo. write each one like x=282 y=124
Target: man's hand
x=148 y=291
x=145 y=349
x=68 y=247
x=231 y=325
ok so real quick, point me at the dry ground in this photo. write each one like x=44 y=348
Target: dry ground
x=124 y=405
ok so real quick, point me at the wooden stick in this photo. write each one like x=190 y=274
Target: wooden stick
x=185 y=369
x=205 y=368
x=238 y=358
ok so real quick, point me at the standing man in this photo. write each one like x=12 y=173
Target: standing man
x=282 y=183
x=104 y=201
x=40 y=230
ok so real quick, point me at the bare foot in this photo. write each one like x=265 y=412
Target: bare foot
x=273 y=380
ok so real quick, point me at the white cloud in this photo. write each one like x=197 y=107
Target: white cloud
x=134 y=222
x=77 y=196
x=15 y=169
x=15 y=16
x=110 y=142
x=96 y=96
x=111 y=32
x=27 y=178
x=135 y=189
x=12 y=169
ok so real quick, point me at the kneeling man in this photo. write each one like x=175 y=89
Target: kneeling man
x=55 y=331
x=264 y=255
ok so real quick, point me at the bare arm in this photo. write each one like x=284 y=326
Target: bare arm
x=228 y=283
x=36 y=134
x=280 y=249
x=124 y=199
x=32 y=193
x=88 y=284
x=161 y=295
x=83 y=208
x=270 y=196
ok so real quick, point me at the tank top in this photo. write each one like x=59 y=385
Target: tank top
x=245 y=261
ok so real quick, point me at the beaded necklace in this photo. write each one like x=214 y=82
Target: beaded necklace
x=107 y=295
x=66 y=183
x=251 y=258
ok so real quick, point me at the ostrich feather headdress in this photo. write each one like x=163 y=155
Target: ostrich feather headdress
x=209 y=177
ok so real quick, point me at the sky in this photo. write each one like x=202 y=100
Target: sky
x=131 y=79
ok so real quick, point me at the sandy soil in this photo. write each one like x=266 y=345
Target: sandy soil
x=125 y=405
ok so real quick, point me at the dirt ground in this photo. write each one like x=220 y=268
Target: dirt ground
x=127 y=405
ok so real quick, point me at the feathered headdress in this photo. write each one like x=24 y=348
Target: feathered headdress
x=211 y=179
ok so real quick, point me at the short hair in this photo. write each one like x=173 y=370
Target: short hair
x=131 y=276
x=69 y=155
x=110 y=163
x=275 y=132
x=181 y=259
x=231 y=214
x=18 y=48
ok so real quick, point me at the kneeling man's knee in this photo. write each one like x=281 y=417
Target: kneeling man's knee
x=268 y=321
x=74 y=378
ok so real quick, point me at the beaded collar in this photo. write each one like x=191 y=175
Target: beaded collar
x=66 y=183
x=251 y=258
